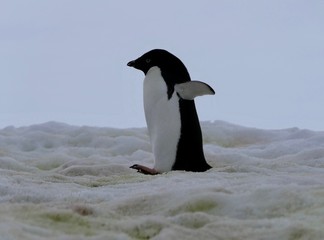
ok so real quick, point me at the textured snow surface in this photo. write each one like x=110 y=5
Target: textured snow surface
x=66 y=182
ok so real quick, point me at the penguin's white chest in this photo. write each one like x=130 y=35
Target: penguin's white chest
x=163 y=119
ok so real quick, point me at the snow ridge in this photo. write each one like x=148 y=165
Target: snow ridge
x=68 y=182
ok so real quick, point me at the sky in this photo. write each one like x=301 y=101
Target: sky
x=66 y=61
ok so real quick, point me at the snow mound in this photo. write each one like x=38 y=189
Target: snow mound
x=66 y=182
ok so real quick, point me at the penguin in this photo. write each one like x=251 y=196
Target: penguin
x=170 y=113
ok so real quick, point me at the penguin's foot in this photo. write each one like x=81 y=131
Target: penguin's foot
x=144 y=170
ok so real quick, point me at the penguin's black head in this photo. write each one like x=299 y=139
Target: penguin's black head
x=168 y=63
x=145 y=62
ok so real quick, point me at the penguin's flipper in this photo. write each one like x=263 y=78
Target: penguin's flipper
x=190 y=90
x=144 y=170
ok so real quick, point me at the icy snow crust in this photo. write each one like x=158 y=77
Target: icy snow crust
x=66 y=182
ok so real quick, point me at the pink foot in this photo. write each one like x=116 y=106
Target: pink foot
x=144 y=170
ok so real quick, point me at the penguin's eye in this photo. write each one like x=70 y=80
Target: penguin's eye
x=148 y=60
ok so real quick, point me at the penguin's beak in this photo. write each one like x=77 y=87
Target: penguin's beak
x=131 y=63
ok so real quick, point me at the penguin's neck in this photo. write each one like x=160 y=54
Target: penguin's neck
x=163 y=119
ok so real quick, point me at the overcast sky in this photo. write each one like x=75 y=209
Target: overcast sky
x=66 y=60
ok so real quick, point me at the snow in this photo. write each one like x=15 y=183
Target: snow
x=68 y=182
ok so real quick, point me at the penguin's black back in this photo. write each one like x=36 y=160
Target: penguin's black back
x=190 y=154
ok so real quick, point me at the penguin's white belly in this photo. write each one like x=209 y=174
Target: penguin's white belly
x=163 y=119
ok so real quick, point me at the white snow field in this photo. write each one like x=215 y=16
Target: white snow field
x=66 y=182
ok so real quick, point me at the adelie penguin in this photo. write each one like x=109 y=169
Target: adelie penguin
x=170 y=113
